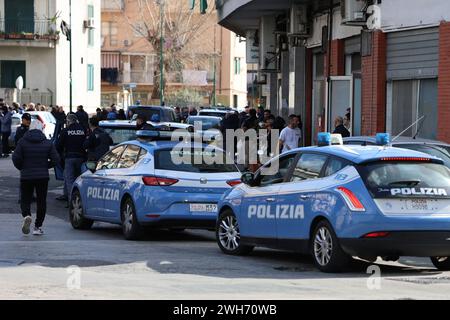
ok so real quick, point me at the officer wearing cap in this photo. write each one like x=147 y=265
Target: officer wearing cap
x=24 y=127
x=70 y=145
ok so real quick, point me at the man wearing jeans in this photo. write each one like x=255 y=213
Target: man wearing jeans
x=71 y=145
x=34 y=156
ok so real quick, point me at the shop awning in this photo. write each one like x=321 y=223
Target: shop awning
x=110 y=60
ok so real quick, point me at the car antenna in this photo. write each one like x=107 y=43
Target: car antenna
x=419 y=128
x=414 y=123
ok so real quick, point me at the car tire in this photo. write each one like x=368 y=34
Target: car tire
x=327 y=253
x=228 y=236
x=441 y=263
x=76 y=213
x=130 y=225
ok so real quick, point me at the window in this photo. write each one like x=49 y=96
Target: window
x=142 y=155
x=129 y=157
x=110 y=31
x=410 y=100
x=109 y=161
x=381 y=177
x=91 y=31
x=334 y=166
x=308 y=167
x=90 y=77
x=10 y=71
x=285 y=163
x=164 y=160
x=237 y=66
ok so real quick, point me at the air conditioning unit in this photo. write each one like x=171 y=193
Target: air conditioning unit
x=300 y=25
x=89 y=24
x=353 y=12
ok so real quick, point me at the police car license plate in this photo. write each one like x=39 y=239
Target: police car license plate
x=414 y=206
x=203 y=207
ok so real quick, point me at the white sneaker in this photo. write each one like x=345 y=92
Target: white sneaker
x=26 y=225
x=38 y=232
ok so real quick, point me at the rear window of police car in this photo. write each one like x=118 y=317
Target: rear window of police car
x=169 y=160
x=406 y=179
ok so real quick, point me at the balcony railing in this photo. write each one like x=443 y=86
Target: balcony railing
x=28 y=29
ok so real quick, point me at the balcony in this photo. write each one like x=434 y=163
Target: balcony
x=28 y=33
x=113 y=5
x=138 y=77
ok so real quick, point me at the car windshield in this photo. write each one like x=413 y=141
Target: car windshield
x=383 y=177
x=120 y=135
x=207 y=123
x=195 y=161
x=440 y=151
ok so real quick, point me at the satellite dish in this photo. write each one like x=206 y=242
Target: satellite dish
x=19 y=83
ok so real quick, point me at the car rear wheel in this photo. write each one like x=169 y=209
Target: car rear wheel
x=130 y=226
x=326 y=251
x=228 y=236
x=441 y=263
x=76 y=213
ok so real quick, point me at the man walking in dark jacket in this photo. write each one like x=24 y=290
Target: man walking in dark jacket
x=70 y=145
x=33 y=156
x=98 y=142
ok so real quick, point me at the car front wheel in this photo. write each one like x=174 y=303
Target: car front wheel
x=228 y=235
x=76 y=213
x=326 y=251
x=441 y=263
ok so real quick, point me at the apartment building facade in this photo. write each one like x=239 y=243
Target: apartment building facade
x=217 y=59
x=387 y=61
x=32 y=46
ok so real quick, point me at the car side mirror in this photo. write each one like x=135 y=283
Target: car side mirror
x=248 y=178
x=92 y=166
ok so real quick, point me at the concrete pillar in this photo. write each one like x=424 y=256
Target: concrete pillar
x=444 y=83
x=297 y=76
x=285 y=73
x=272 y=100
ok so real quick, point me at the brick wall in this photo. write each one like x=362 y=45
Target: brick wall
x=337 y=67
x=444 y=83
x=374 y=87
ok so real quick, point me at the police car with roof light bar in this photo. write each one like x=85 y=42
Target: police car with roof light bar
x=140 y=183
x=337 y=202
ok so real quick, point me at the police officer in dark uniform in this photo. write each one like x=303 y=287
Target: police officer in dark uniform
x=98 y=142
x=70 y=145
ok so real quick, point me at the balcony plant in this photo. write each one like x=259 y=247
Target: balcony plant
x=27 y=36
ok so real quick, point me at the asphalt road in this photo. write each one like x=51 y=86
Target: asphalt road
x=99 y=264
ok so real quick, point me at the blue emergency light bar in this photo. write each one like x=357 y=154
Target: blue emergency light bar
x=148 y=134
x=324 y=139
x=383 y=139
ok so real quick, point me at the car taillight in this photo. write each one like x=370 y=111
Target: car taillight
x=233 y=183
x=376 y=235
x=350 y=198
x=158 y=181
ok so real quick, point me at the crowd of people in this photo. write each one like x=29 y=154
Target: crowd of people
x=79 y=140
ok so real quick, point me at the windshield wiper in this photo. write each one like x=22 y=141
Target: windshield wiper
x=411 y=183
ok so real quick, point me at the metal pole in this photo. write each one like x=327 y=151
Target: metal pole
x=215 y=69
x=161 y=81
x=70 y=63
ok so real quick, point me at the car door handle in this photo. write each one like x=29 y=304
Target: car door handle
x=305 y=198
x=271 y=200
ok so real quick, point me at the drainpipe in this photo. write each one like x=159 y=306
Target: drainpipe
x=330 y=39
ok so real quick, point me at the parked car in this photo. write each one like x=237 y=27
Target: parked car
x=16 y=121
x=47 y=119
x=432 y=147
x=210 y=126
x=214 y=113
x=165 y=114
x=124 y=130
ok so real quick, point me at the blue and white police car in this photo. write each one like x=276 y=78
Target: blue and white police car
x=138 y=184
x=338 y=202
